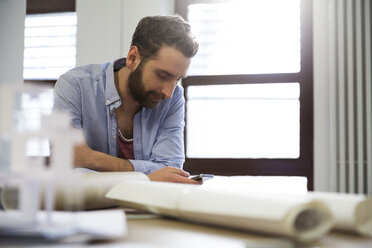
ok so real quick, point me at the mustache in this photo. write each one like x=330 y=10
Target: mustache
x=157 y=95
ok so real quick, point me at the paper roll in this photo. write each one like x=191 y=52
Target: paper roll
x=297 y=217
x=352 y=212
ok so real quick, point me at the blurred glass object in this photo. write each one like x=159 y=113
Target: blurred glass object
x=30 y=106
x=21 y=113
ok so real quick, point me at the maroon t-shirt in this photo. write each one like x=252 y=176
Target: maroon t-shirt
x=125 y=148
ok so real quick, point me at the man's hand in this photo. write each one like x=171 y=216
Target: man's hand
x=172 y=174
x=88 y=158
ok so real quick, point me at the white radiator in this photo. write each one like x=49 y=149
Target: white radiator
x=351 y=96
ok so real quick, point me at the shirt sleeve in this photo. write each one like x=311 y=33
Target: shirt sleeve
x=67 y=98
x=168 y=149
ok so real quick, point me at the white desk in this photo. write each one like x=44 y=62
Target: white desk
x=163 y=232
x=148 y=231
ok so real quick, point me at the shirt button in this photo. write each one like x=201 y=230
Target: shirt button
x=117 y=102
x=107 y=102
x=114 y=137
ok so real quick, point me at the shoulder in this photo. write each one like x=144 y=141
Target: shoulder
x=177 y=94
x=176 y=101
x=177 y=98
x=85 y=73
x=178 y=90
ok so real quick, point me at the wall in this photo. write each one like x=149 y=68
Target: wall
x=12 y=21
x=105 y=28
x=321 y=97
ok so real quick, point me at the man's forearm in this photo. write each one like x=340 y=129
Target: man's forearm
x=99 y=161
x=105 y=162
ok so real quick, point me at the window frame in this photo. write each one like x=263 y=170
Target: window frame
x=45 y=7
x=302 y=166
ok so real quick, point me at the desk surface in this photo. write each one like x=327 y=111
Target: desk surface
x=148 y=231
x=165 y=232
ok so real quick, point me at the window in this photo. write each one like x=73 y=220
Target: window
x=50 y=45
x=50 y=40
x=249 y=93
x=246 y=37
x=257 y=120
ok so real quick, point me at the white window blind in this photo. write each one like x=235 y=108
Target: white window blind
x=246 y=37
x=50 y=45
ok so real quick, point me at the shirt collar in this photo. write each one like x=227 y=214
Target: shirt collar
x=112 y=95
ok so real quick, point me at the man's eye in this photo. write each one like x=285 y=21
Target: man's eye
x=162 y=76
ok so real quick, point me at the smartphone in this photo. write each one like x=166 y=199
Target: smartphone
x=201 y=177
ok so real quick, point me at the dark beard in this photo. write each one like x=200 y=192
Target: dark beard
x=137 y=89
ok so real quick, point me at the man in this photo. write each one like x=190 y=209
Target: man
x=132 y=111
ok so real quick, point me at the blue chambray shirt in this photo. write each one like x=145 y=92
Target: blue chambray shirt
x=89 y=94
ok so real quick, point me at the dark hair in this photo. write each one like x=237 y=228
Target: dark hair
x=153 y=32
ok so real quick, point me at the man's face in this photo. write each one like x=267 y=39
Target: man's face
x=156 y=79
x=137 y=89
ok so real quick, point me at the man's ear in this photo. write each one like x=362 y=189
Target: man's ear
x=133 y=58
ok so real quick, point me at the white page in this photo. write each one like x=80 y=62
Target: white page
x=265 y=184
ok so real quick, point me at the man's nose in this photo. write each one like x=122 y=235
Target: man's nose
x=167 y=90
